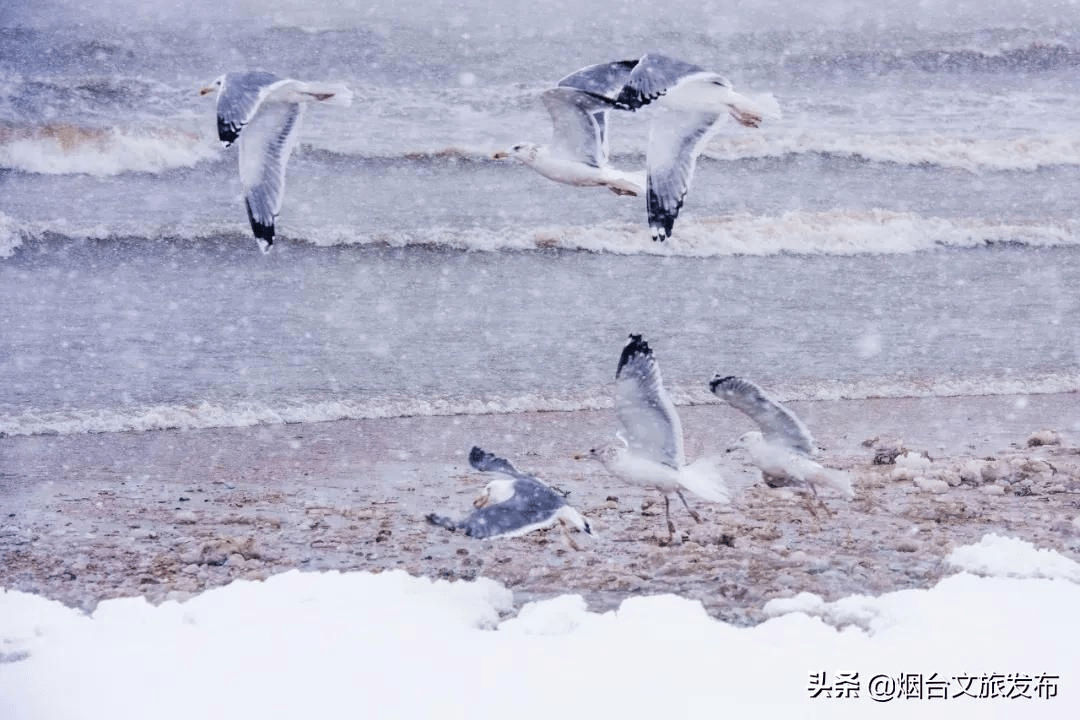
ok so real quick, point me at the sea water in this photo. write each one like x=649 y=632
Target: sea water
x=908 y=226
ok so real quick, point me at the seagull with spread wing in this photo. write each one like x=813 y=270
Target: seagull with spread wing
x=515 y=506
x=692 y=101
x=783 y=447
x=649 y=442
x=263 y=111
x=578 y=151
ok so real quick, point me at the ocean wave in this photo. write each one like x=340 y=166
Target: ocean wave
x=973 y=154
x=999 y=56
x=839 y=232
x=814 y=233
x=247 y=414
x=62 y=148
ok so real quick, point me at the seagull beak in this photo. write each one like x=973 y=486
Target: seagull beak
x=206 y=90
x=501 y=155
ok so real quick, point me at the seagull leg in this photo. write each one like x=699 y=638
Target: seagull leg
x=693 y=513
x=566 y=535
x=667 y=516
x=819 y=501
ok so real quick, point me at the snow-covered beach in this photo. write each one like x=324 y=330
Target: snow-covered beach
x=748 y=612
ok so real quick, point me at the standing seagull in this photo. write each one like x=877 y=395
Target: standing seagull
x=695 y=100
x=267 y=109
x=578 y=151
x=783 y=447
x=514 y=507
x=649 y=451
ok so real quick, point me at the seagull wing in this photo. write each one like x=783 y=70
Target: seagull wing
x=675 y=141
x=778 y=424
x=605 y=80
x=264 y=151
x=239 y=99
x=490 y=462
x=647 y=417
x=578 y=125
x=532 y=504
x=651 y=78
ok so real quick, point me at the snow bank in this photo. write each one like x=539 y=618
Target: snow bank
x=1011 y=557
x=391 y=645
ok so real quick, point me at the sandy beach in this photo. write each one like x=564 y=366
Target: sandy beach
x=166 y=514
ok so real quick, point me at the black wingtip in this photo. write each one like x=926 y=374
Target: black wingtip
x=263 y=232
x=440 y=521
x=227 y=132
x=636 y=346
x=477 y=457
x=717 y=381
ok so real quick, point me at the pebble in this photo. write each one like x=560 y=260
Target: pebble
x=971 y=472
x=995 y=471
x=1043 y=437
x=185 y=517
x=931 y=485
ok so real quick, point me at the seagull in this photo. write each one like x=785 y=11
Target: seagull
x=578 y=151
x=695 y=100
x=783 y=448
x=267 y=110
x=649 y=442
x=513 y=507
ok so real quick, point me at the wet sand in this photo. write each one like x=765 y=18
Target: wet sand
x=170 y=513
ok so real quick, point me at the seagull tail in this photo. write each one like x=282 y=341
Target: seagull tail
x=836 y=479
x=329 y=93
x=705 y=478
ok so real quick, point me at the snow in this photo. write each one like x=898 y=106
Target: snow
x=392 y=645
x=1009 y=557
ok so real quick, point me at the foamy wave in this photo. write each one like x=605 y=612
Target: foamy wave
x=870 y=232
x=69 y=149
x=11 y=235
x=826 y=233
x=972 y=154
x=247 y=414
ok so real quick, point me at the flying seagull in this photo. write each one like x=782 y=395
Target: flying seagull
x=578 y=151
x=263 y=111
x=783 y=447
x=695 y=100
x=649 y=442
x=515 y=506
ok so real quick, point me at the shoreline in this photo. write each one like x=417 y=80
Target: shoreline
x=167 y=514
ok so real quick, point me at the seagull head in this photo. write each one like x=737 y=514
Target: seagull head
x=605 y=454
x=525 y=152
x=495 y=492
x=748 y=441
x=213 y=87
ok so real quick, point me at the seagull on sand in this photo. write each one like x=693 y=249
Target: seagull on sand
x=263 y=111
x=783 y=448
x=515 y=506
x=578 y=151
x=649 y=442
x=694 y=101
